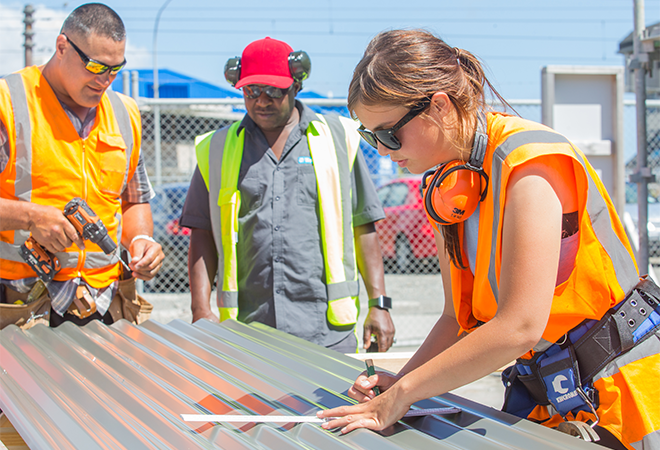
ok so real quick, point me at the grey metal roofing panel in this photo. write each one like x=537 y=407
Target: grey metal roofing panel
x=125 y=386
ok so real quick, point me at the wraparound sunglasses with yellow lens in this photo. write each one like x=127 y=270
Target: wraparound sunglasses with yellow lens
x=96 y=67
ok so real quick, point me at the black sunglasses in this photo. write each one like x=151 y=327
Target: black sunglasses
x=96 y=67
x=387 y=137
x=253 y=91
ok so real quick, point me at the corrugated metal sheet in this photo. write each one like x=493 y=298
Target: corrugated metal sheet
x=125 y=386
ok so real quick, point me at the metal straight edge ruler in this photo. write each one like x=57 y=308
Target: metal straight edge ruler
x=300 y=419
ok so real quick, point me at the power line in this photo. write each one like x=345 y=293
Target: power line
x=445 y=19
x=618 y=6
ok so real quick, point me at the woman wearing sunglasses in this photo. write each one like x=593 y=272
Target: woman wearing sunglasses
x=535 y=263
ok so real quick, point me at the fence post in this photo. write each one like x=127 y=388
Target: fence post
x=135 y=85
x=126 y=83
x=157 y=149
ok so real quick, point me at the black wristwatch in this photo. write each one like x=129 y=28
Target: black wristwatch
x=383 y=302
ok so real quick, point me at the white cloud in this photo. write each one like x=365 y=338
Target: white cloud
x=46 y=27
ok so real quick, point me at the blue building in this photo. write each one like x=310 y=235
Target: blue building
x=173 y=85
x=177 y=85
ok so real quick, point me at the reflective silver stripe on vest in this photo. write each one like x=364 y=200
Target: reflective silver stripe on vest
x=351 y=287
x=649 y=347
x=622 y=262
x=542 y=346
x=651 y=440
x=342 y=290
x=23 y=182
x=226 y=299
x=125 y=128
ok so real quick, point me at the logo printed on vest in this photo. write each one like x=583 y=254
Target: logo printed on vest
x=304 y=160
x=556 y=384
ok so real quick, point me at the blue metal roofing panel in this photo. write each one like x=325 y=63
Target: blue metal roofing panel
x=125 y=387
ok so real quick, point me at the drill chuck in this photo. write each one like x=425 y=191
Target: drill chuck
x=107 y=244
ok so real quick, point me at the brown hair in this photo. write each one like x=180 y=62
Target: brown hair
x=403 y=67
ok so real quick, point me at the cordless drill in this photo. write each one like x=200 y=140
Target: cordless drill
x=45 y=264
x=90 y=227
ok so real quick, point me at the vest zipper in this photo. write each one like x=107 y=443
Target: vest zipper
x=83 y=253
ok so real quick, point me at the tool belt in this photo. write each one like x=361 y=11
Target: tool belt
x=562 y=375
x=126 y=304
x=14 y=310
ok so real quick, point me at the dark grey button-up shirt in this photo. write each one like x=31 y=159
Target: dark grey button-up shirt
x=281 y=273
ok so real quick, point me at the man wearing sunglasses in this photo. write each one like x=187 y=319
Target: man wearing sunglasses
x=282 y=208
x=64 y=135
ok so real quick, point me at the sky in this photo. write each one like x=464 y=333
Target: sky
x=514 y=39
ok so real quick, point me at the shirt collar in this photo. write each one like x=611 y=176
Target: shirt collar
x=83 y=127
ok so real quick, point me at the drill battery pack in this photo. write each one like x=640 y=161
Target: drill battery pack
x=44 y=263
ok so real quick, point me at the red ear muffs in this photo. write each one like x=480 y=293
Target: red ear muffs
x=453 y=192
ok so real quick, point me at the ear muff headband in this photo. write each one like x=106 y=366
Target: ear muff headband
x=455 y=189
x=300 y=66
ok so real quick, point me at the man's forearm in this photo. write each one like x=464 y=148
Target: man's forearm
x=137 y=220
x=15 y=215
x=370 y=259
x=370 y=262
x=202 y=267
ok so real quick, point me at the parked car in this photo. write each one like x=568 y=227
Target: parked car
x=406 y=237
x=653 y=225
x=166 y=209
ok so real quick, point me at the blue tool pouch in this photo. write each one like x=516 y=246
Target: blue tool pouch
x=561 y=379
x=517 y=398
x=549 y=378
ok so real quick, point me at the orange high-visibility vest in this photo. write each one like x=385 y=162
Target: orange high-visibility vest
x=605 y=271
x=512 y=142
x=49 y=164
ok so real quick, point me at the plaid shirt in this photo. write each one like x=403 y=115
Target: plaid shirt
x=137 y=190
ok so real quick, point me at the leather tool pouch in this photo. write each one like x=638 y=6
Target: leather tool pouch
x=83 y=304
x=25 y=315
x=127 y=304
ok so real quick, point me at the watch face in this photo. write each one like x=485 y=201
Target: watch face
x=383 y=302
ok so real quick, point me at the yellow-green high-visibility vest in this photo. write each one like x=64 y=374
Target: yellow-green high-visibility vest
x=333 y=144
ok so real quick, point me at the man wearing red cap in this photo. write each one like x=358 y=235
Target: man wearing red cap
x=282 y=208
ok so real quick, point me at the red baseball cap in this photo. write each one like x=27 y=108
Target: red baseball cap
x=266 y=61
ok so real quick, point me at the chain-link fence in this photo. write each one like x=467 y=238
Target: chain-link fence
x=405 y=236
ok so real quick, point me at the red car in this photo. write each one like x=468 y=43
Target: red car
x=406 y=237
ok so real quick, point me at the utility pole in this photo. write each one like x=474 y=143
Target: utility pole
x=28 y=33
x=157 y=146
x=643 y=176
